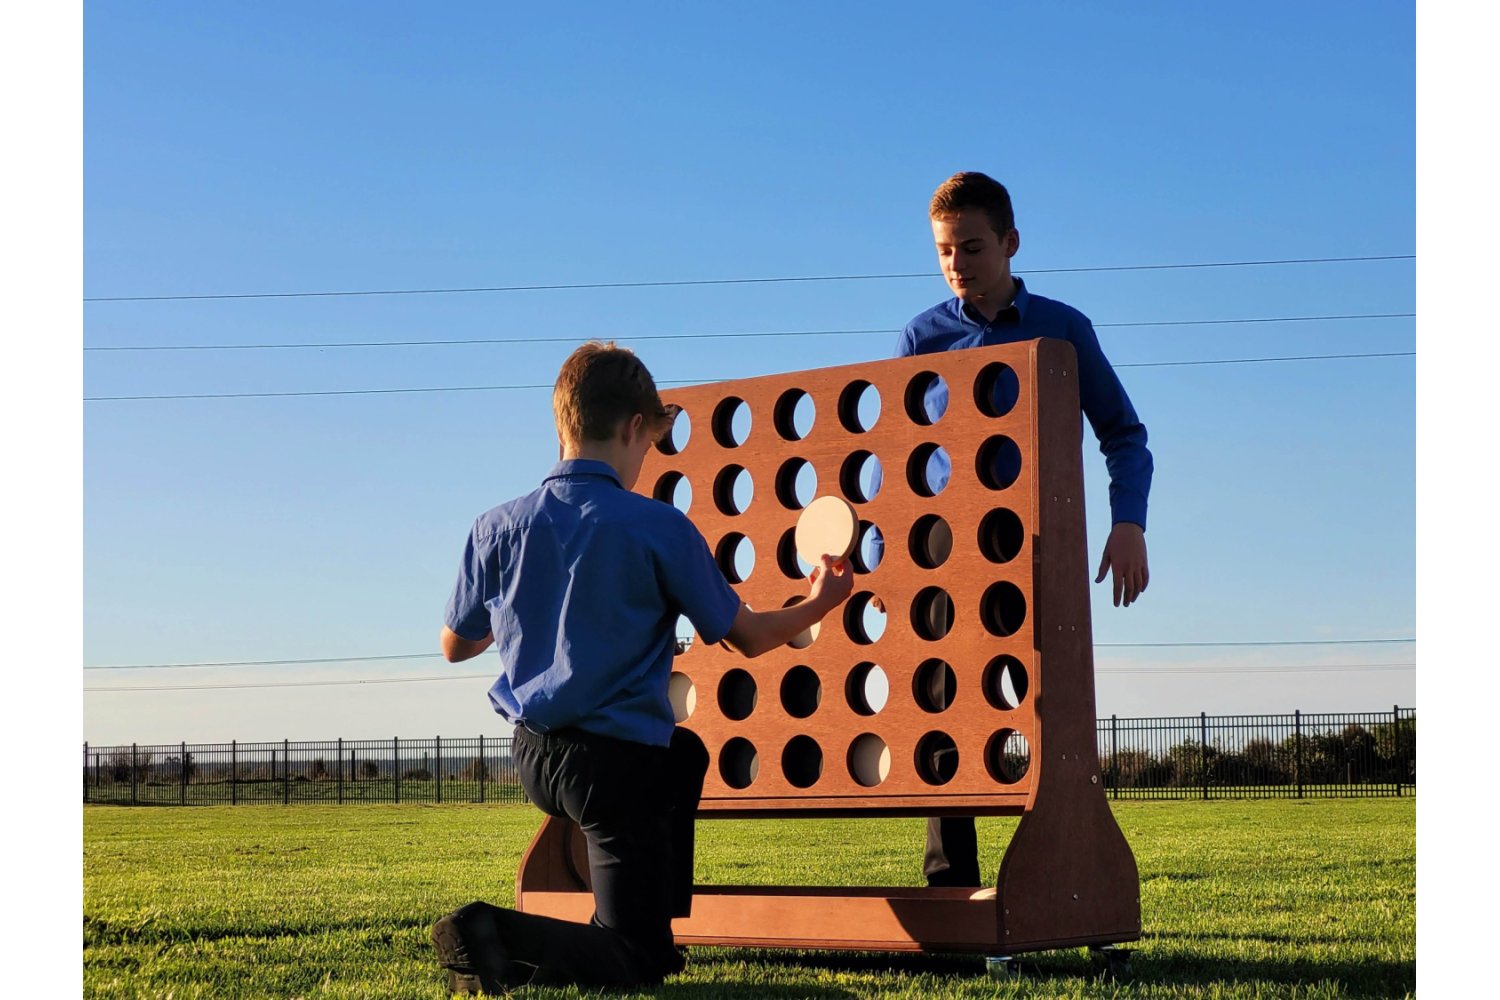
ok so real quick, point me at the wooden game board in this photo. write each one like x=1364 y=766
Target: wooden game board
x=986 y=650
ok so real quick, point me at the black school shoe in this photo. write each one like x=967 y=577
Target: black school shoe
x=469 y=946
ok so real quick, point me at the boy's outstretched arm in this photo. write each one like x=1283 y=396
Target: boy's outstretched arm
x=456 y=648
x=757 y=632
x=1125 y=553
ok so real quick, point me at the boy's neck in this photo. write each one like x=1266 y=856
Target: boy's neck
x=611 y=453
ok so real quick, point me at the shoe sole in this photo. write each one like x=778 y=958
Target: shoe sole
x=462 y=977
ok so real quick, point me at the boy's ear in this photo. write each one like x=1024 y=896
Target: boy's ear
x=1012 y=242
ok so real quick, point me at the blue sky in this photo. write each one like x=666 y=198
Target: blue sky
x=249 y=148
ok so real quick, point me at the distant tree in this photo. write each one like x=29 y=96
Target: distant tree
x=369 y=769
x=319 y=769
x=475 y=770
x=416 y=774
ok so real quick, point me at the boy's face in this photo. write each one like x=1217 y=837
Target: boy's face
x=975 y=259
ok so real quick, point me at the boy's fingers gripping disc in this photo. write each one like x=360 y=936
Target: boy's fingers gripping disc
x=826 y=527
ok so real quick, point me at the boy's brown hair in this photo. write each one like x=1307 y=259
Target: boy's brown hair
x=600 y=385
x=970 y=189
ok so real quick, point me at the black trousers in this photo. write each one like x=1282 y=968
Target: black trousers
x=635 y=805
x=952 y=855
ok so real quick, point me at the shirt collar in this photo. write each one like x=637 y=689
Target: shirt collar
x=584 y=467
x=1018 y=303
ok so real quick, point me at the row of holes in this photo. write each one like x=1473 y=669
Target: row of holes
x=861 y=477
x=866 y=689
x=1007 y=757
x=1002 y=612
x=930 y=543
x=794 y=412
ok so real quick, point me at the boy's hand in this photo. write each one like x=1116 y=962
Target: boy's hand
x=1125 y=553
x=832 y=582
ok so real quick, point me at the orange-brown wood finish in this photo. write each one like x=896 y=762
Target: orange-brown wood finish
x=990 y=705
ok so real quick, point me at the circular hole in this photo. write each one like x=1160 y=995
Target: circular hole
x=733 y=489
x=736 y=557
x=859 y=406
x=796 y=483
x=1007 y=756
x=930 y=541
x=737 y=695
x=684 y=634
x=1003 y=609
x=869 y=548
x=674 y=488
x=998 y=462
x=926 y=398
x=801 y=692
x=804 y=638
x=794 y=414
x=676 y=438
x=802 y=761
x=934 y=685
x=932 y=613
x=1005 y=682
x=1001 y=535
x=928 y=470
x=996 y=390
x=860 y=477
x=869 y=760
x=867 y=688
x=864 y=622
x=731 y=422
x=738 y=762
x=682 y=694
x=792 y=565
x=937 y=758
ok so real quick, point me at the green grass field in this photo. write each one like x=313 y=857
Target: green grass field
x=1309 y=899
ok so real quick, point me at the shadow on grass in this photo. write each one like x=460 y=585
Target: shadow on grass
x=1359 y=978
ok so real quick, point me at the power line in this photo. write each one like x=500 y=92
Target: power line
x=697 y=336
x=1294 y=668
x=425 y=656
x=548 y=385
x=722 y=281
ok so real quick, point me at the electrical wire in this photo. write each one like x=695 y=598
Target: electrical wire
x=549 y=385
x=335 y=345
x=726 y=281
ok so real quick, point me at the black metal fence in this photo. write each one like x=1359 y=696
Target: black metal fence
x=1180 y=757
x=1260 y=756
x=332 y=771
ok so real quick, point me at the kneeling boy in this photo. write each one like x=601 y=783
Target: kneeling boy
x=579 y=585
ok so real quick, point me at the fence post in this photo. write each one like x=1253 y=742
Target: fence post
x=182 y=786
x=1203 y=751
x=482 y=767
x=338 y=767
x=1297 y=743
x=286 y=773
x=1114 y=756
x=234 y=772
x=85 y=770
x=396 y=765
x=1396 y=745
x=437 y=769
x=132 y=774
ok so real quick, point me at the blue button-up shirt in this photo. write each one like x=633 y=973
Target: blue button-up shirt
x=581 y=583
x=949 y=326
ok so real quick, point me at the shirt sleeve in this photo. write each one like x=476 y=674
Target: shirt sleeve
x=467 y=615
x=695 y=585
x=1122 y=436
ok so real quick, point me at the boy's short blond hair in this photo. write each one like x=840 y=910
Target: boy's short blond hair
x=970 y=189
x=600 y=385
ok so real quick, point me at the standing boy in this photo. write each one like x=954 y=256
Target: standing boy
x=579 y=585
x=974 y=229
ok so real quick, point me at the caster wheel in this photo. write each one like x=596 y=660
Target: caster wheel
x=1002 y=967
x=1112 y=963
